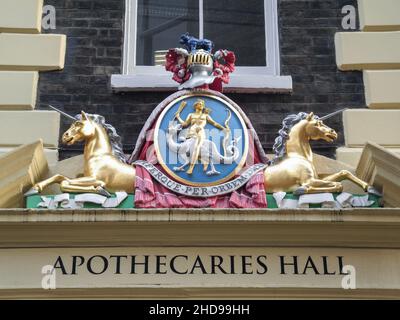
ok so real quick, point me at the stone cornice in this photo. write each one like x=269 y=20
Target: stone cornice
x=352 y=228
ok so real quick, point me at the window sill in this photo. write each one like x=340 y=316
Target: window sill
x=240 y=83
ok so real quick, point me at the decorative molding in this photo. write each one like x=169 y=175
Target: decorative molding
x=245 y=83
x=351 y=156
x=20 y=169
x=51 y=154
x=351 y=228
x=381 y=168
x=200 y=293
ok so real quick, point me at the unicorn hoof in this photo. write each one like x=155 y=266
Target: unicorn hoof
x=103 y=192
x=300 y=191
x=372 y=190
x=178 y=169
x=31 y=192
x=213 y=173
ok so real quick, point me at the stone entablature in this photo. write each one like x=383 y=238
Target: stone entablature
x=321 y=240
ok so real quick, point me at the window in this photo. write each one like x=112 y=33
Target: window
x=249 y=28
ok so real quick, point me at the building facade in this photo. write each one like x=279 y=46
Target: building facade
x=306 y=53
x=106 y=57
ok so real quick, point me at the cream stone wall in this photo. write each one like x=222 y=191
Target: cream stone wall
x=24 y=53
x=375 y=50
x=21 y=16
x=382 y=89
x=367 y=240
x=380 y=126
x=20 y=127
x=379 y=15
x=12 y=262
x=24 y=83
x=367 y=50
x=32 y=52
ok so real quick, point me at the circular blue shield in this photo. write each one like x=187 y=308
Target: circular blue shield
x=201 y=140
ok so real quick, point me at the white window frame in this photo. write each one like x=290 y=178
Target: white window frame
x=244 y=79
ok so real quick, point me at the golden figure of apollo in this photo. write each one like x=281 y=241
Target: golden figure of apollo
x=196 y=147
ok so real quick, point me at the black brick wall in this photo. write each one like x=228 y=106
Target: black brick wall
x=94 y=50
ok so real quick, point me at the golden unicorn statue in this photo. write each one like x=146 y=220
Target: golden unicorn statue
x=105 y=167
x=292 y=170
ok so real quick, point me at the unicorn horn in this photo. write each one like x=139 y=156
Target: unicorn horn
x=63 y=113
x=332 y=114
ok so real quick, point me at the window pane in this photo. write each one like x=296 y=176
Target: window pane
x=160 y=24
x=238 y=26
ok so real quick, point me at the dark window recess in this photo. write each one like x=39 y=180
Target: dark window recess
x=238 y=26
x=159 y=22
x=235 y=25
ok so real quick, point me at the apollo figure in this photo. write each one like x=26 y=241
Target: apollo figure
x=196 y=122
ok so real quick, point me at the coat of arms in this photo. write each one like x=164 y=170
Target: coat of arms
x=196 y=150
x=201 y=140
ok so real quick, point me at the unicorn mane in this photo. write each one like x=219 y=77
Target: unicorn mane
x=288 y=123
x=115 y=139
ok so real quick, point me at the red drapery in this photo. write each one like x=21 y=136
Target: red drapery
x=150 y=194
